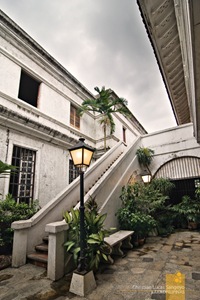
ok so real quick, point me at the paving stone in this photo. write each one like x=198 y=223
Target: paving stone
x=196 y=275
x=158 y=296
x=174 y=261
x=186 y=249
x=167 y=248
x=157 y=266
x=147 y=259
x=137 y=270
x=195 y=241
x=187 y=241
x=178 y=244
x=195 y=247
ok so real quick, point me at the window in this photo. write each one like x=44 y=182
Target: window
x=124 y=135
x=73 y=171
x=28 y=89
x=22 y=181
x=74 y=117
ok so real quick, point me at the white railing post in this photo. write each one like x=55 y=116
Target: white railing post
x=20 y=240
x=56 y=252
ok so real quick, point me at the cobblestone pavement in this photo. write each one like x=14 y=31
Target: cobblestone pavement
x=140 y=275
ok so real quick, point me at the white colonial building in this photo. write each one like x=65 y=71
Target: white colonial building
x=39 y=122
x=39 y=99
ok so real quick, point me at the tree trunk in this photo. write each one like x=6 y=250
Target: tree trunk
x=104 y=130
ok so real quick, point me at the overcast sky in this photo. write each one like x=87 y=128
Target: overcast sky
x=102 y=43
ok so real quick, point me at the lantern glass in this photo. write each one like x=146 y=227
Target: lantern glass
x=87 y=156
x=81 y=155
x=77 y=156
x=146 y=178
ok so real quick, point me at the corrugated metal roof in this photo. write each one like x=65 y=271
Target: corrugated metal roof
x=179 y=168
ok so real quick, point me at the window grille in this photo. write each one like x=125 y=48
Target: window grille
x=22 y=181
x=73 y=171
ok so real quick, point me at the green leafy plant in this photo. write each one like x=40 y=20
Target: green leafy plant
x=145 y=157
x=146 y=203
x=143 y=198
x=5 y=169
x=163 y=185
x=188 y=208
x=96 y=248
x=197 y=193
x=165 y=221
x=139 y=222
x=10 y=211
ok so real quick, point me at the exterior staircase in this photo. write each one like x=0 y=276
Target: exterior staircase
x=40 y=256
x=103 y=181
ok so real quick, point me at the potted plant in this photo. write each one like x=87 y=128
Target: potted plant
x=97 y=249
x=145 y=157
x=190 y=210
x=139 y=222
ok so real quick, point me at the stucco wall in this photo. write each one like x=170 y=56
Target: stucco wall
x=51 y=169
x=171 y=143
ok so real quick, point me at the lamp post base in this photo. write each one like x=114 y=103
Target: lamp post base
x=82 y=283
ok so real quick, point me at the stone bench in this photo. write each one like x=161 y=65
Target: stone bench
x=118 y=241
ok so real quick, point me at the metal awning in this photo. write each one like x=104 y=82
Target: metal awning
x=180 y=168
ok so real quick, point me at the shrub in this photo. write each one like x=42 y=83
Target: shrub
x=96 y=249
x=188 y=208
x=145 y=205
x=140 y=223
x=143 y=198
x=10 y=211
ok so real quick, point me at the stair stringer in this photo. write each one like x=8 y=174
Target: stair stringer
x=107 y=190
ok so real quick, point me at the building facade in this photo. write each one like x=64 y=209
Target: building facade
x=39 y=100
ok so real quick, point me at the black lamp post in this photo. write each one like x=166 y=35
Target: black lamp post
x=81 y=155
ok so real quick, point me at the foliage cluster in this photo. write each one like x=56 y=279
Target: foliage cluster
x=5 y=169
x=188 y=209
x=144 y=206
x=10 y=211
x=145 y=157
x=96 y=248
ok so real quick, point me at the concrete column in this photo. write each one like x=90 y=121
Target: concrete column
x=21 y=229
x=56 y=251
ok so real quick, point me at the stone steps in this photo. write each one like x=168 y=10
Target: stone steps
x=40 y=256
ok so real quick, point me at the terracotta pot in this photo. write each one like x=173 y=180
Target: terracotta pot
x=192 y=225
x=141 y=242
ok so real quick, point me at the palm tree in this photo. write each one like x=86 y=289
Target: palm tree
x=145 y=157
x=106 y=103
